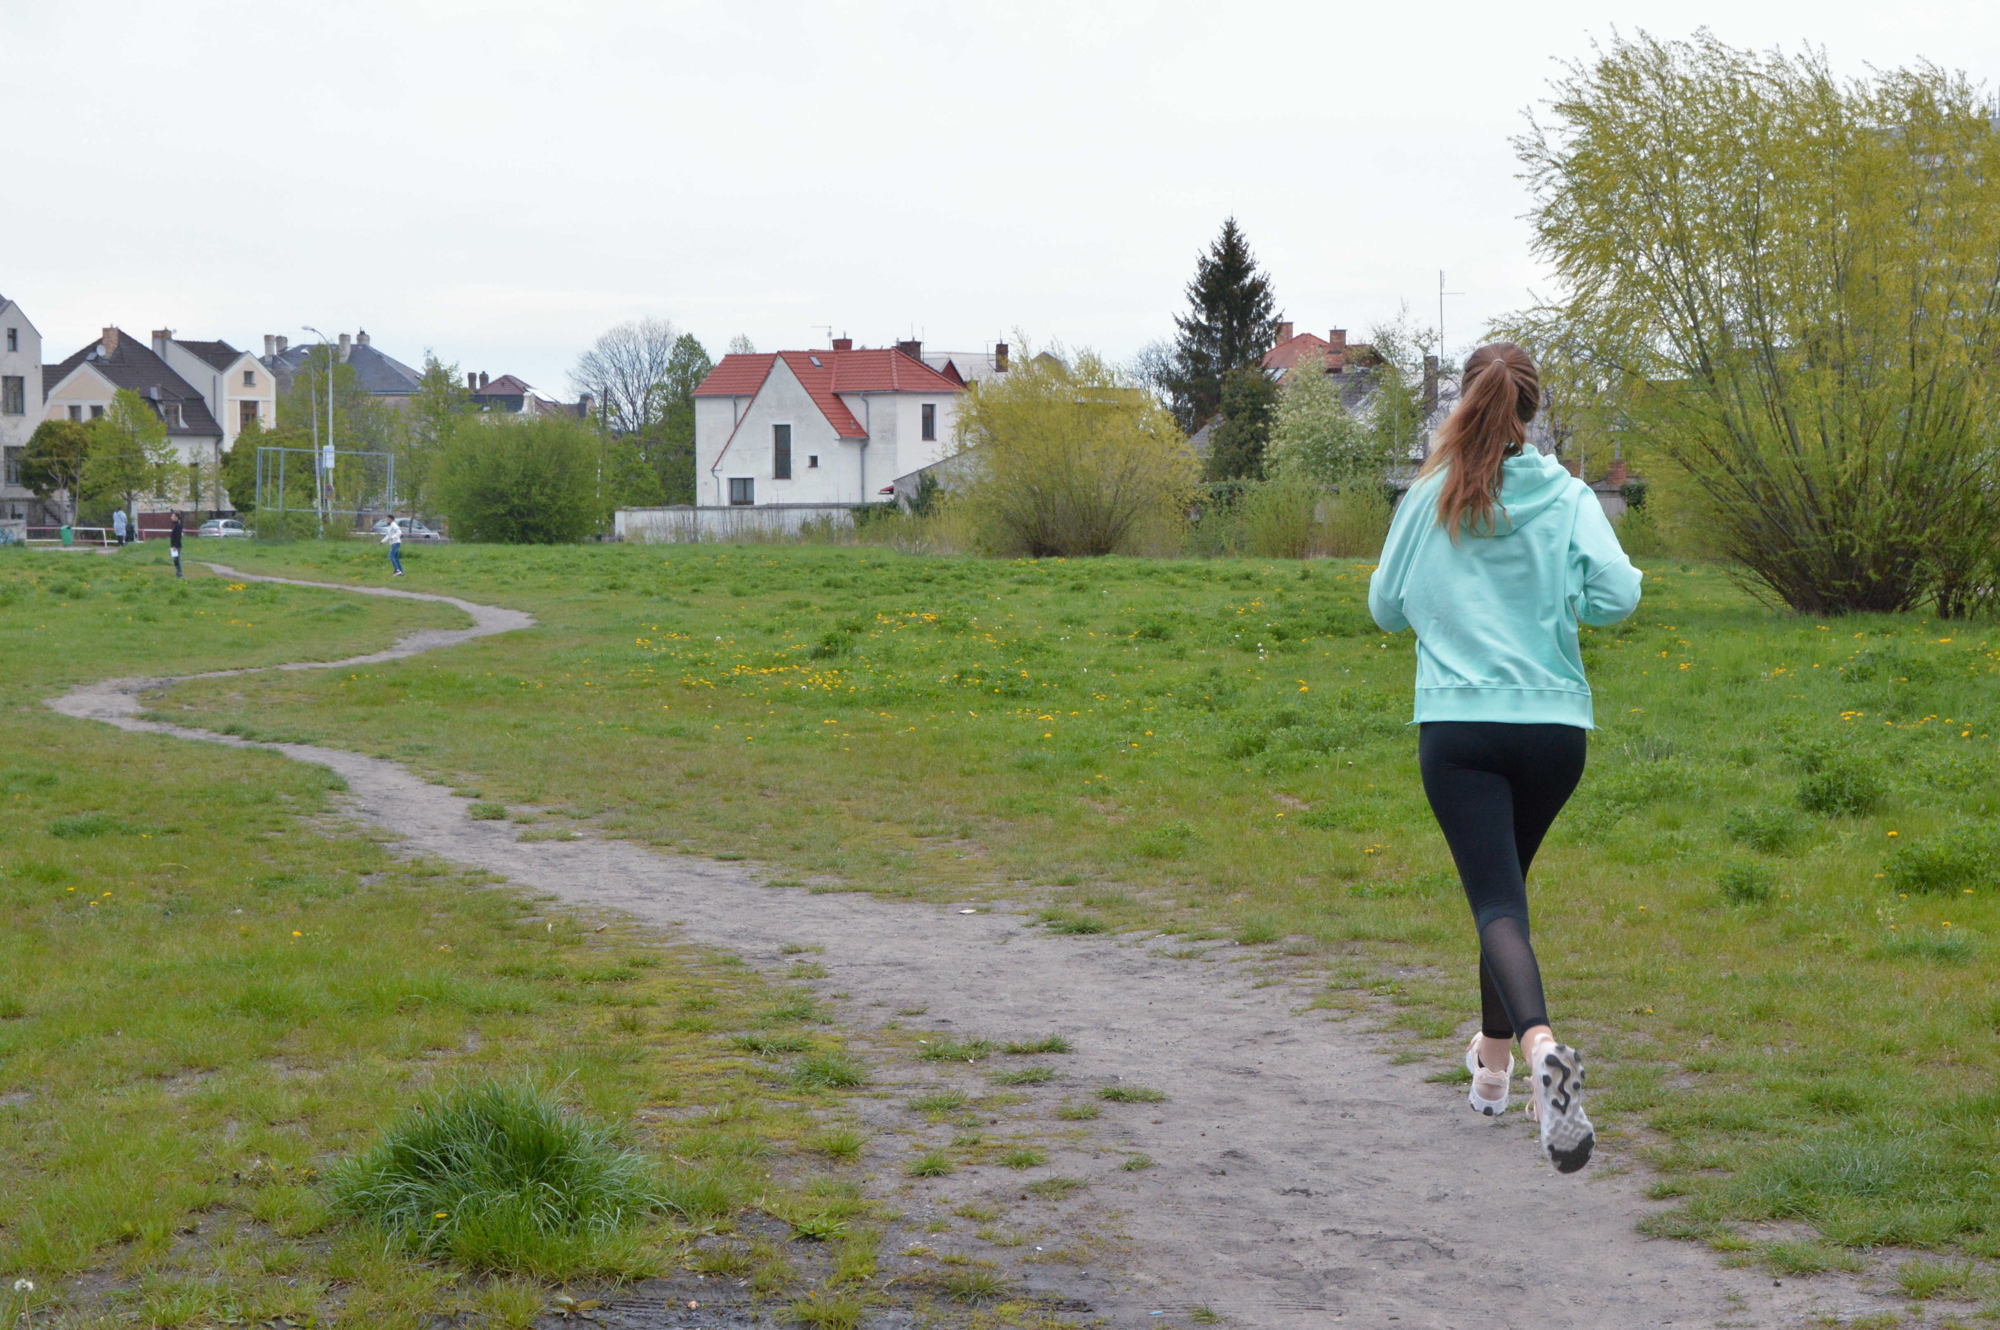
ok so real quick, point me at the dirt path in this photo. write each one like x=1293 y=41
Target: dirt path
x=1301 y=1178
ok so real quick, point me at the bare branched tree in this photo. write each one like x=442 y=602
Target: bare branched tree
x=625 y=370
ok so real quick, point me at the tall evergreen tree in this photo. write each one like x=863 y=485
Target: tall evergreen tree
x=1232 y=321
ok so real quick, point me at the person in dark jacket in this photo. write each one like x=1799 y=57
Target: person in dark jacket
x=174 y=545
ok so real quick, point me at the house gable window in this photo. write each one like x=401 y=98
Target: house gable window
x=13 y=339
x=97 y=413
x=930 y=420
x=742 y=491
x=76 y=413
x=249 y=378
x=781 y=452
x=812 y=461
x=13 y=395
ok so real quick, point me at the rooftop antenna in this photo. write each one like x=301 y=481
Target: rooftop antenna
x=828 y=327
x=1442 y=293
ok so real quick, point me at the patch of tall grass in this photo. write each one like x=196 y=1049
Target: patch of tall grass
x=504 y=1176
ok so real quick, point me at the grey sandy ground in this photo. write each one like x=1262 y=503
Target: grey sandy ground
x=1302 y=1180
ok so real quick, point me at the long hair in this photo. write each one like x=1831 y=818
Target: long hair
x=1500 y=395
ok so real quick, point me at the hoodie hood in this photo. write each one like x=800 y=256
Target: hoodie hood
x=1530 y=485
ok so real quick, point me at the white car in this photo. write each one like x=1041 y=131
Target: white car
x=221 y=526
x=414 y=532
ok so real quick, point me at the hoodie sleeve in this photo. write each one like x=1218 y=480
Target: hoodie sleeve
x=1607 y=585
x=1385 y=586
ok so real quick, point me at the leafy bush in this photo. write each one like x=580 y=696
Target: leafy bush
x=1955 y=860
x=1279 y=519
x=1071 y=460
x=502 y=1176
x=522 y=483
x=1745 y=883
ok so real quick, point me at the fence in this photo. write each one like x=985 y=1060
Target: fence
x=691 y=523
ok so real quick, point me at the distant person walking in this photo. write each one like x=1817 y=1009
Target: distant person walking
x=1493 y=557
x=392 y=536
x=118 y=525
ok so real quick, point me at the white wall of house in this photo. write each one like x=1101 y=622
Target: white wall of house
x=847 y=471
x=226 y=391
x=86 y=394
x=20 y=358
x=783 y=400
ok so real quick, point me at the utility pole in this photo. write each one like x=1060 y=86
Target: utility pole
x=323 y=462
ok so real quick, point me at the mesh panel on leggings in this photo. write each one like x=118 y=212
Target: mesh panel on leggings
x=1507 y=971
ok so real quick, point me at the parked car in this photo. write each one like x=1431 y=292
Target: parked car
x=413 y=531
x=221 y=526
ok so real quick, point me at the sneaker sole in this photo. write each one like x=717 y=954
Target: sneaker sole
x=1567 y=1135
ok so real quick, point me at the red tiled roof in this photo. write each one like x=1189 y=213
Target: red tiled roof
x=737 y=375
x=825 y=375
x=1289 y=352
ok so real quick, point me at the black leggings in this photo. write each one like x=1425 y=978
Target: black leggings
x=1495 y=787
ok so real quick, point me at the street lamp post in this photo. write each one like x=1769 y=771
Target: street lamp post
x=323 y=463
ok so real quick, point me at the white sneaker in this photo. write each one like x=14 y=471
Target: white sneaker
x=1490 y=1089
x=1557 y=1105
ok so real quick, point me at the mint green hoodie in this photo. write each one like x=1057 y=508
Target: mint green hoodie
x=1496 y=615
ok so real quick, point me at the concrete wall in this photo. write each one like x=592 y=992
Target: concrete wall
x=681 y=524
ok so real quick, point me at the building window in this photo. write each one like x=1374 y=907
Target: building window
x=97 y=413
x=930 y=420
x=249 y=378
x=812 y=461
x=13 y=395
x=13 y=339
x=781 y=452
x=249 y=410
x=742 y=491
x=13 y=471
x=76 y=413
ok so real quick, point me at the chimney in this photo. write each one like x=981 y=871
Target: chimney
x=110 y=342
x=161 y=336
x=584 y=403
x=346 y=347
x=914 y=350
x=999 y=357
x=283 y=342
x=361 y=338
x=483 y=380
x=843 y=343
x=471 y=381
x=1284 y=332
x=1618 y=474
x=270 y=346
x=1336 y=356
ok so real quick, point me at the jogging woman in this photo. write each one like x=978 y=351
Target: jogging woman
x=1493 y=557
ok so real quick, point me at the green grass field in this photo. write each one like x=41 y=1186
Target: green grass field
x=211 y=993
x=1769 y=916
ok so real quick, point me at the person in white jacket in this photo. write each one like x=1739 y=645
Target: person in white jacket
x=392 y=536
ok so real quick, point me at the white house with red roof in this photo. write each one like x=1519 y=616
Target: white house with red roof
x=819 y=427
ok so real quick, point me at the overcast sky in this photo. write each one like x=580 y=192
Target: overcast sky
x=500 y=181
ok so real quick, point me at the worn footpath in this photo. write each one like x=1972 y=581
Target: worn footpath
x=1301 y=1177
